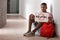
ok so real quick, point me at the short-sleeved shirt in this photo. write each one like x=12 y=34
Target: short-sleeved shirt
x=49 y=14
x=37 y=13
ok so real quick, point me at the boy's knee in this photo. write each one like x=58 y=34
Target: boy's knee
x=31 y=16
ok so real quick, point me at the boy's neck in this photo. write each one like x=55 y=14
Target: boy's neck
x=44 y=11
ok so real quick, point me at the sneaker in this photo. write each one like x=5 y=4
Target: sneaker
x=26 y=33
x=30 y=34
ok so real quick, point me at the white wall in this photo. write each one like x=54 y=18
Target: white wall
x=21 y=7
x=31 y=6
x=27 y=7
x=3 y=11
x=56 y=13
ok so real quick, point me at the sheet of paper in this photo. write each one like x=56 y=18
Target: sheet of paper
x=42 y=17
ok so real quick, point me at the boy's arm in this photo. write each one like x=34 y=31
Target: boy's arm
x=50 y=18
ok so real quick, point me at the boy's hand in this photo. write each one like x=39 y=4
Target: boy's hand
x=50 y=19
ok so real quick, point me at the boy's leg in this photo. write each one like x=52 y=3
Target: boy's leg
x=33 y=32
x=37 y=27
x=31 y=20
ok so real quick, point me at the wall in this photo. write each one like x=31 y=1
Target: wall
x=56 y=13
x=21 y=7
x=31 y=6
x=3 y=11
x=27 y=7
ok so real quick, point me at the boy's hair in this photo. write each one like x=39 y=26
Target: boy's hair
x=44 y=4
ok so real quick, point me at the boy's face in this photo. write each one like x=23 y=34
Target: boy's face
x=43 y=8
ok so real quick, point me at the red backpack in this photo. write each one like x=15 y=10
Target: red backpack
x=47 y=30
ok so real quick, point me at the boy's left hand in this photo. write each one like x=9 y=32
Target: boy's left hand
x=50 y=19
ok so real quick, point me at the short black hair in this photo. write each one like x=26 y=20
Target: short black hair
x=44 y=4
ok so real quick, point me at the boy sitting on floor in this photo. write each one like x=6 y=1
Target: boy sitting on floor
x=30 y=33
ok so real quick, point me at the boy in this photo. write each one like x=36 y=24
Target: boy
x=38 y=24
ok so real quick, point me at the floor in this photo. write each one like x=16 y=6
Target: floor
x=15 y=28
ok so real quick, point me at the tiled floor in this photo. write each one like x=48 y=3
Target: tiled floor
x=15 y=28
